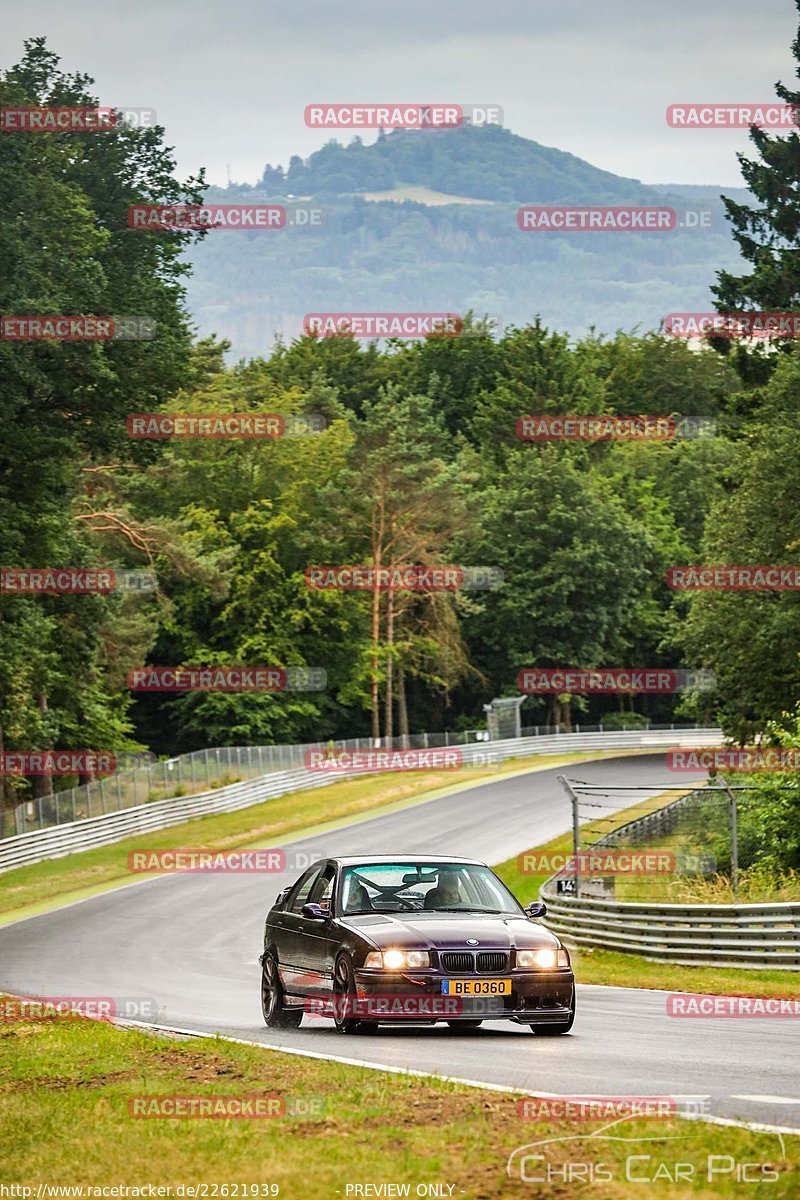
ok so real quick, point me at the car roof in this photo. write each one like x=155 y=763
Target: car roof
x=360 y=860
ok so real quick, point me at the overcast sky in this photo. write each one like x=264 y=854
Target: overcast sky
x=230 y=80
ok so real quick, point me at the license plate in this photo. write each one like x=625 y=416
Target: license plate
x=476 y=987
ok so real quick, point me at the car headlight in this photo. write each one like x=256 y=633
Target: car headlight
x=545 y=960
x=397 y=960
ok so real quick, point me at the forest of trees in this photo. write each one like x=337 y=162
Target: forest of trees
x=419 y=462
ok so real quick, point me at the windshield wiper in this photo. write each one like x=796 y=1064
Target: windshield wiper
x=494 y=911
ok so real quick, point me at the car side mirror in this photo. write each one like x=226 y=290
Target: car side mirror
x=314 y=912
x=537 y=909
x=282 y=895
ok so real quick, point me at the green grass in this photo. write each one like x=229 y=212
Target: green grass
x=28 y=889
x=633 y=970
x=66 y=1087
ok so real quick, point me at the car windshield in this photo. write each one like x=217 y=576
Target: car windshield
x=423 y=887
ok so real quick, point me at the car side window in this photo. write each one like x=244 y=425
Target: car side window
x=322 y=890
x=300 y=897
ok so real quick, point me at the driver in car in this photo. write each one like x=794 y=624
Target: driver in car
x=446 y=893
x=358 y=901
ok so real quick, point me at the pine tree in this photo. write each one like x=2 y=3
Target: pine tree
x=769 y=234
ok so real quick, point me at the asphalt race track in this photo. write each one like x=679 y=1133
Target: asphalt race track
x=188 y=944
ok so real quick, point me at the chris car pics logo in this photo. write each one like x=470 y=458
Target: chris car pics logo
x=652 y=1160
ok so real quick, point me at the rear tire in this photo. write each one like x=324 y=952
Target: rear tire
x=276 y=1013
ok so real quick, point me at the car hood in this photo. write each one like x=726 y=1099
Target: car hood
x=450 y=931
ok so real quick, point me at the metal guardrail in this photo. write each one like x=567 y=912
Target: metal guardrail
x=70 y=837
x=735 y=935
x=217 y=766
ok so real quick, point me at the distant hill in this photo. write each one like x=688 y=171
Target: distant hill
x=487 y=163
x=432 y=254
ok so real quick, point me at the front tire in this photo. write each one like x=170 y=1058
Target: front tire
x=276 y=1013
x=344 y=998
x=554 y=1030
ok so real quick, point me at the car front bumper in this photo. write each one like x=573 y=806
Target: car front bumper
x=536 y=997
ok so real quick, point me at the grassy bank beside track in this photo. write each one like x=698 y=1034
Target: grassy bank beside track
x=42 y=886
x=67 y=1087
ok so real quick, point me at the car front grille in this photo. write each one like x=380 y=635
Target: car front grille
x=467 y=962
x=457 y=960
x=492 y=960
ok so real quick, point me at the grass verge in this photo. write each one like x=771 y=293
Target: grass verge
x=633 y=970
x=36 y=888
x=66 y=1089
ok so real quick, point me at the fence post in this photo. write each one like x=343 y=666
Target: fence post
x=576 y=833
x=734 y=838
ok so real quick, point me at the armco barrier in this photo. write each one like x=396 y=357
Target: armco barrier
x=59 y=840
x=734 y=935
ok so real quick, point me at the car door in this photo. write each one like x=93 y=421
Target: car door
x=319 y=940
x=292 y=926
